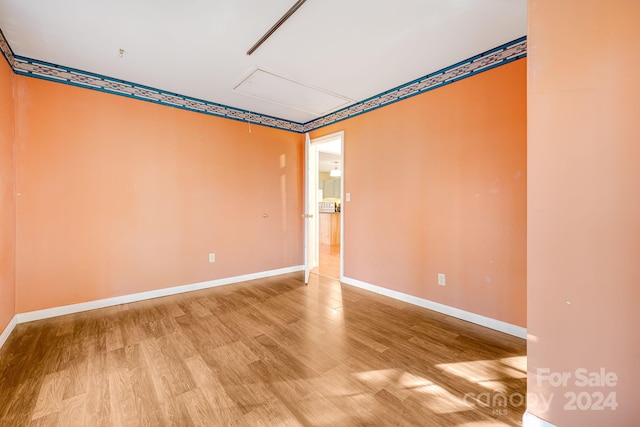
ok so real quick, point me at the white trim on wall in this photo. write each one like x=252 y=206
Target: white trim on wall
x=157 y=293
x=530 y=420
x=7 y=331
x=488 y=322
x=478 y=319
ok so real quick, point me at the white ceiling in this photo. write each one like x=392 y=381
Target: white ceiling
x=330 y=155
x=350 y=50
x=328 y=161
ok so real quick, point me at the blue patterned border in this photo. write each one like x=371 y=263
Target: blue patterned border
x=6 y=50
x=500 y=55
x=44 y=70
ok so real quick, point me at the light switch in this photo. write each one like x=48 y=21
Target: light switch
x=348 y=196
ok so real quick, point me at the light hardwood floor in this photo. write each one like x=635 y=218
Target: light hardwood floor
x=266 y=352
x=329 y=261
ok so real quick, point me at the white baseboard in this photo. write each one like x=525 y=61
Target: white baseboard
x=124 y=299
x=488 y=322
x=530 y=420
x=7 y=331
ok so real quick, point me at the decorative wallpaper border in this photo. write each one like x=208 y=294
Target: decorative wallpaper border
x=6 y=50
x=70 y=76
x=495 y=57
x=500 y=55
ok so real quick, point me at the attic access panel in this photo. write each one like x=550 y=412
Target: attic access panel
x=280 y=90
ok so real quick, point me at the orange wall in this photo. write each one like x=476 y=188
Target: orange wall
x=118 y=196
x=584 y=204
x=7 y=196
x=438 y=185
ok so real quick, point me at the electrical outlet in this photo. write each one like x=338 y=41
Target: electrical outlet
x=212 y=257
x=441 y=279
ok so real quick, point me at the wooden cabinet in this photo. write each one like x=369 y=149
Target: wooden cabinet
x=329 y=228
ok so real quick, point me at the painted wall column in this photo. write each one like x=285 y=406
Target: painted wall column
x=584 y=210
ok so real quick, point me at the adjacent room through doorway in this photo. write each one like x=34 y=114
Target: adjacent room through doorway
x=328 y=185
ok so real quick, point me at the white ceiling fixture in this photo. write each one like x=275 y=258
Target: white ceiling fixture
x=352 y=49
x=335 y=172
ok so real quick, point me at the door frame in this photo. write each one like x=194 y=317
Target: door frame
x=315 y=142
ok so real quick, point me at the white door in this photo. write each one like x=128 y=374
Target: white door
x=310 y=208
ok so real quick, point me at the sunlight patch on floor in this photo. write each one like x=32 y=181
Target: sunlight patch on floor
x=404 y=384
x=516 y=362
x=379 y=377
x=441 y=401
x=411 y=381
x=478 y=371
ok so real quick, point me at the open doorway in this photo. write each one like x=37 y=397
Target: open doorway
x=328 y=152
